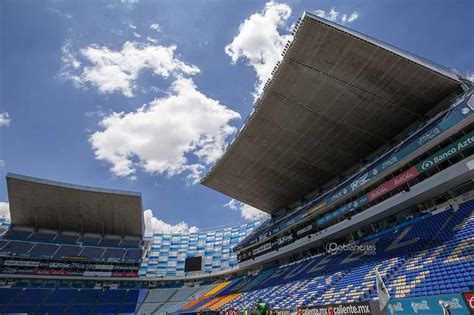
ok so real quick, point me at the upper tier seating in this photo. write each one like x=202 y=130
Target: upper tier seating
x=20 y=243
x=87 y=240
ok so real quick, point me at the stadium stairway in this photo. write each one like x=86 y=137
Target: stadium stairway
x=209 y=303
x=193 y=296
x=196 y=304
x=162 y=309
x=225 y=299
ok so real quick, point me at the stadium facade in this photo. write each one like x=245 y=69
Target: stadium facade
x=361 y=153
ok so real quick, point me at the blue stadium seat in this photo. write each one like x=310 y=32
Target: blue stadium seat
x=7 y=295
x=93 y=253
x=68 y=251
x=62 y=296
x=113 y=254
x=19 y=309
x=3 y=243
x=112 y=296
x=41 y=250
x=41 y=236
x=79 y=309
x=133 y=255
x=106 y=309
x=17 y=248
x=87 y=296
x=110 y=242
x=16 y=234
x=50 y=309
x=31 y=296
x=129 y=243
x=89 y=240
x=66 y=239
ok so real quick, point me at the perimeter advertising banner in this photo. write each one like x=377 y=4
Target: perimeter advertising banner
x=344 y=209
x=393 y=183
x=469 y=299
x=21 y=263
x=361 y=308
x=462 y=111
x=433 y=305
x=461 y=144
x=124 y=274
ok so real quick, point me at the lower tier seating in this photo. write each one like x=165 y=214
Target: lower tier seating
x=430 y=255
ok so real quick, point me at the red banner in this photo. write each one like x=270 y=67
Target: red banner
x=393 y=183
x=469 y=297
x=124 y=274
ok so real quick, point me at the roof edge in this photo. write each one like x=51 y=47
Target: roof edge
x=443 y=70
x=72 y=186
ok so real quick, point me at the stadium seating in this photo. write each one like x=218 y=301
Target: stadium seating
x=41 y=250
x=201 y=302
x=57 y=301
x=80 y=301
x=68 y=251
x=427 y=255
x=66 y=239
x=159 y=295
x=431 y=254
x=43 y=245
x=168 y=251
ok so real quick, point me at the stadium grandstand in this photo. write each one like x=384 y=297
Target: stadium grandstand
x=362 y=155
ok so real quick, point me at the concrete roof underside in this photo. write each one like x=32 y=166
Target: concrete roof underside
x=44 y=204
x=336 y=97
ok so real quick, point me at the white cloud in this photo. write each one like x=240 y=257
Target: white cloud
x=470 y=77
x=4 y=210
x=5 y=119
x=70 y=64
x=152 y=40
x=335 y=16
x=260 y=42
x=136 y=35
x=117 y=71
x=153 y=224
x=247 y=212
x=2 y=163
x=159 y=138
x=132 y=26
x=155 y=26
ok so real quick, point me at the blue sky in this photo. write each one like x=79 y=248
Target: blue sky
x=144 y=95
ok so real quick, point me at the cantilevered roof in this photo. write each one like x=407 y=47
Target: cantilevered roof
x=336 y=97
x=46 y=204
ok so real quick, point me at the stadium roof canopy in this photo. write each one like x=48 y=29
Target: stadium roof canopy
x=336 y=97
x=45 y=204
